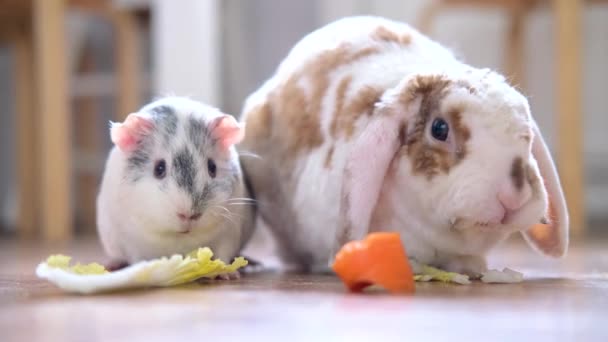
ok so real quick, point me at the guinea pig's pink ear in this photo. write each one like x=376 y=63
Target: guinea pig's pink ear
x=128 y=134
x=550 y=238
x=364 y=174
x=226 y=131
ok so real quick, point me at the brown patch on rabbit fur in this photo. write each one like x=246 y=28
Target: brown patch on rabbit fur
x=518 y=173
x=345 y=117
x=328 y=157
x=402 y=132
x=429 y=160
x=340 y=95
x=259 y=123
x=299 y=124
x=386 y=35
x=297 y=130
x=533 y=180
x=461 y=133
x=363 y=102
x=429 y=86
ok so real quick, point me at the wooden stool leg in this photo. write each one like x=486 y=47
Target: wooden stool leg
x=427 y=16
x=27 y=174
x=87 y=138
x=54 y=116
x=514 y=49
x=128 y=62
x=569 y=110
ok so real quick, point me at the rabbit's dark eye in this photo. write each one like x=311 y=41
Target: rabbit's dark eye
x=160 y=169
x=440 y=129
x=211 y=167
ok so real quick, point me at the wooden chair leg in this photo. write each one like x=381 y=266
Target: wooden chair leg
x=514 y=47
x=26 y=170
x=569 y=108
x=88 y=139
x=427 y=16
x=54 y=117
x=128 y=62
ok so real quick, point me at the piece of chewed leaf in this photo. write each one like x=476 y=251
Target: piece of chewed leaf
x=63 y=262
x=423 y=277
x=503 y=277
x=161 y=272
x=428 y=273
x=89 y=269
x=58 y=261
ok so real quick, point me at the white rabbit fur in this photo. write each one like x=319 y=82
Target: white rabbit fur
x=327 y=175
x=137 y=214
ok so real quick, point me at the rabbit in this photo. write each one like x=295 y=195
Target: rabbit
x=368 y=125
x=173 y=183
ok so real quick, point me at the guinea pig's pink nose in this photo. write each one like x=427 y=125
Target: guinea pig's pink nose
x=185 y=217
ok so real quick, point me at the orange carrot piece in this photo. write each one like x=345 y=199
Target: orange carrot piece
x=378 y=259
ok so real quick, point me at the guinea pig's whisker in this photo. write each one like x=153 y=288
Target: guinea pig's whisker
x=243 y=199
x=241 y=203
x=235 y=215
x=221 y=207
x=249 y=154
x=221 y=210
x=231 y=213
x=226 y=214
x=229 y=218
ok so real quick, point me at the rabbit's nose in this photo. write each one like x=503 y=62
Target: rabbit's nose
x=512 y=198
x=510 y=201
x=506 y=215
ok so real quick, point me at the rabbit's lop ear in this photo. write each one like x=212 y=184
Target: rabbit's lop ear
x=550 y=237
x=375 y=148
x=364 y=174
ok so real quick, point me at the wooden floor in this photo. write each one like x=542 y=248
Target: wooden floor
x=559 y=300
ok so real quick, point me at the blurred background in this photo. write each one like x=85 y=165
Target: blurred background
x=68 y=67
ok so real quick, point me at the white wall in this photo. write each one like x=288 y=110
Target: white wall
x=186 y=49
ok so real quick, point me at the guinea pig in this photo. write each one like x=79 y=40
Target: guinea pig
x=367 y=125
x=173 y=183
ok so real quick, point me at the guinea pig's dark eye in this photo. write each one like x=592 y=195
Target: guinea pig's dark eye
x=160 y=169
x=440 y=129
x=211 y=168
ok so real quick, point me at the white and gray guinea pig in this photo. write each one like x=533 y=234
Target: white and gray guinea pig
x=369 y=125
x=173 y=183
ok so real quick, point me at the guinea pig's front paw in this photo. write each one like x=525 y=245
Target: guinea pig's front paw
x=253 y=266
x=115 y=265
x=471 y=265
